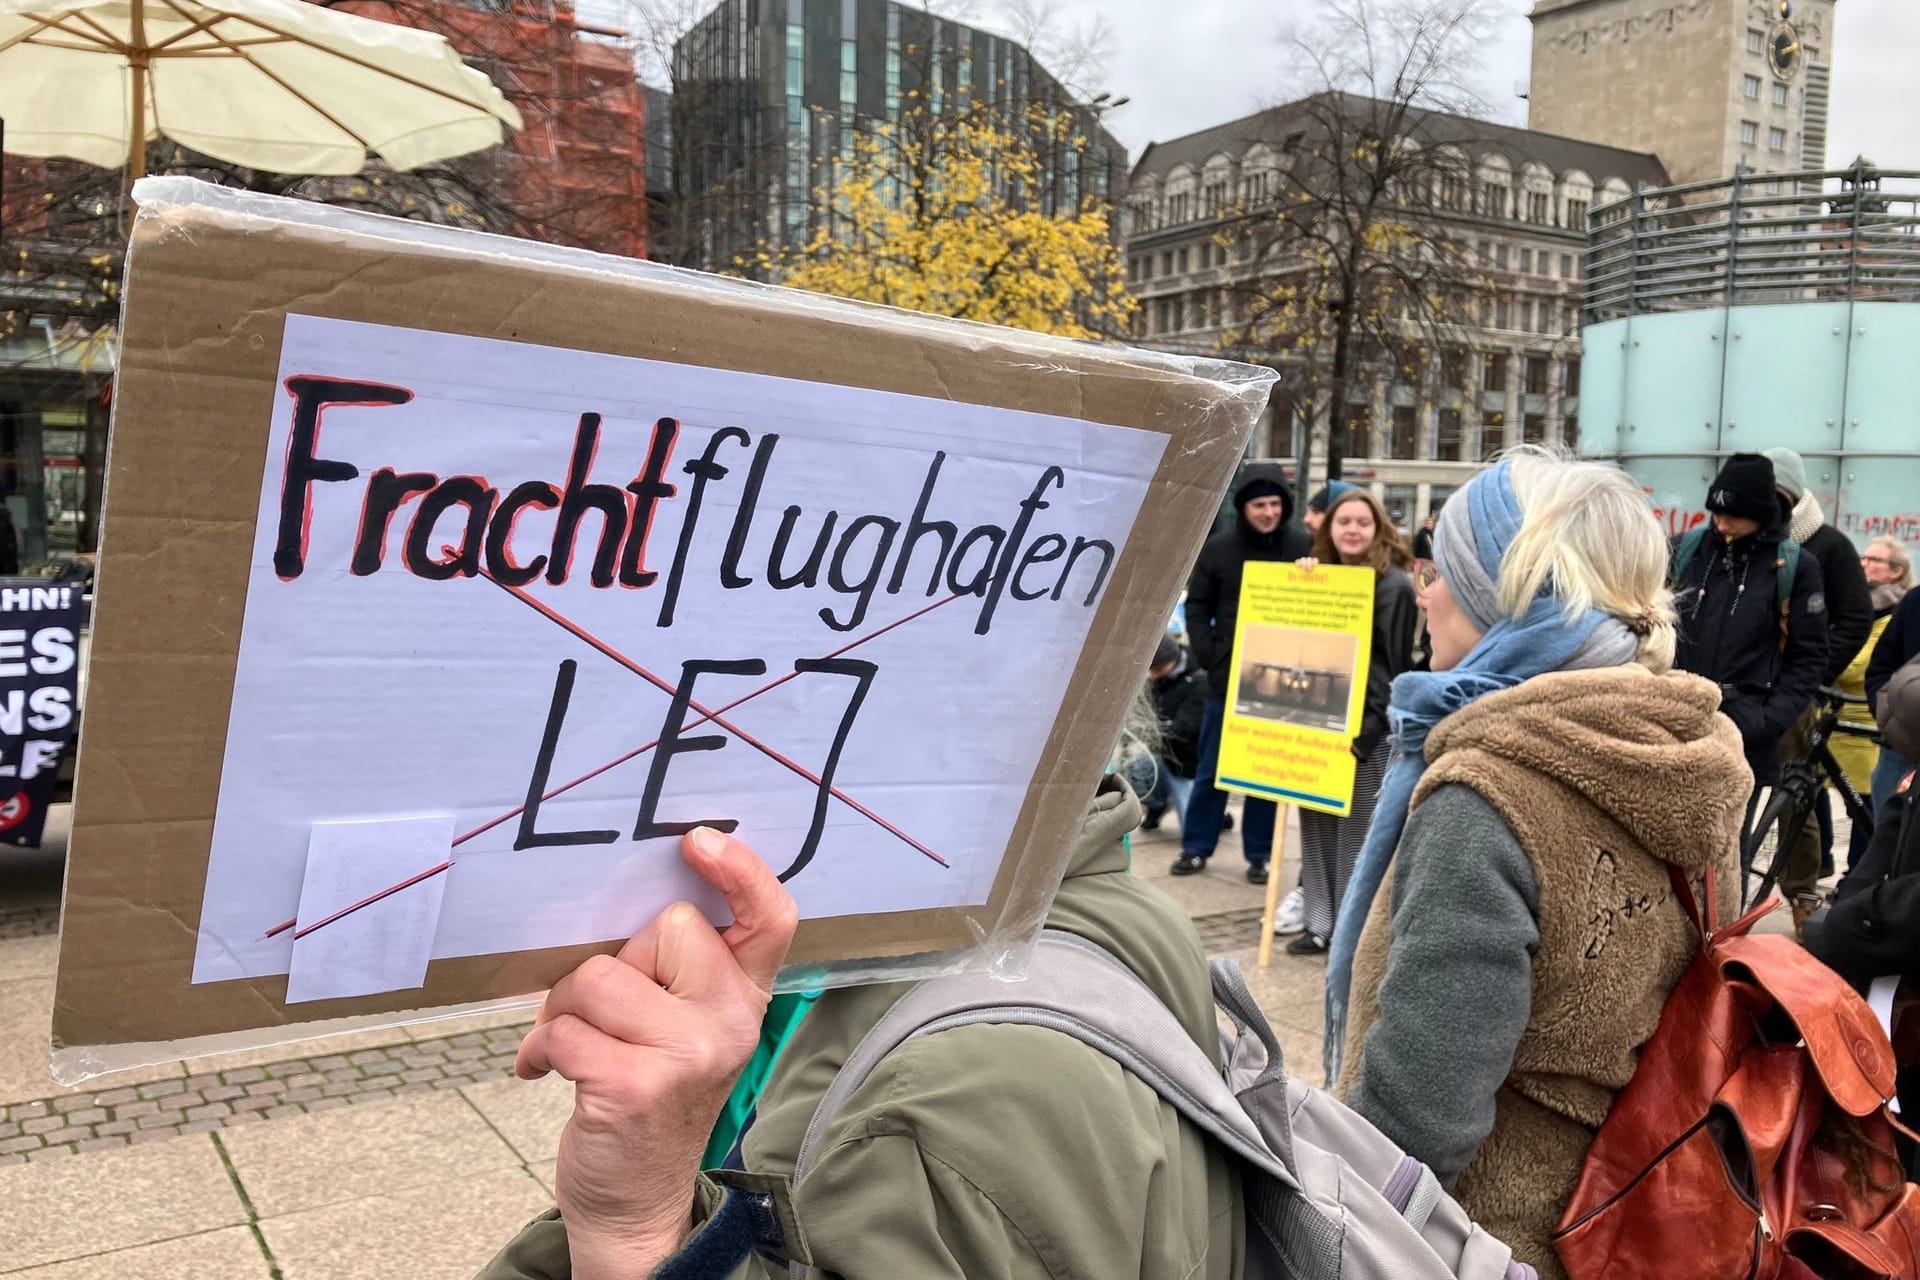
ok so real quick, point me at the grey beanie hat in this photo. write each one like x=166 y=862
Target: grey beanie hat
x=1789 y=471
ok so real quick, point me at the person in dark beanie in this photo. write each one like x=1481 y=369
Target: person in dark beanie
x=1766 y=653
x=1179 y=690
x=1317 y=505
x=1263 y=530
x=1849 y=623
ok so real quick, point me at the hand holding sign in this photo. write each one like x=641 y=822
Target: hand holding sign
x=653 y=1039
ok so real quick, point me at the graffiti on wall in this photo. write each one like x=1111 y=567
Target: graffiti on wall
x=1904 y=526
x=1674 y=515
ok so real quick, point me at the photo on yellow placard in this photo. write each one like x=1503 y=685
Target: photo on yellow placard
x=1296 y=676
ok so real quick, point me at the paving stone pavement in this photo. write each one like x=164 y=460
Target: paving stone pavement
x=28 y=922
x=49 y=1128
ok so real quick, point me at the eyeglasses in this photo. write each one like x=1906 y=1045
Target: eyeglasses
x=1426 y=576
x=1875 y=560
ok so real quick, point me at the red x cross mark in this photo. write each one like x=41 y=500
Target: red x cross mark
x=706 y=717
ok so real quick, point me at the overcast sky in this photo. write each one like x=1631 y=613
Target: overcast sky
x=1188 y=64
x=1193 y=63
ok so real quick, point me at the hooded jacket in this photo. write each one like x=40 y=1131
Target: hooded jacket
x=1213 y=592
x=1504 y=986
x=986 y=1150
x=1730 y=634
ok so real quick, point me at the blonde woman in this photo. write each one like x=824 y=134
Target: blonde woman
x=1356 y=531
x=1553 y=774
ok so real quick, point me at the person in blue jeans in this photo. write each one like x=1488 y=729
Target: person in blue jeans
x=1263 y=530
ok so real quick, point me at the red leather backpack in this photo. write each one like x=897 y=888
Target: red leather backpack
x=1754 y=1139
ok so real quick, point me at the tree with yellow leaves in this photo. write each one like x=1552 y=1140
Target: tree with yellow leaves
x=956 y=214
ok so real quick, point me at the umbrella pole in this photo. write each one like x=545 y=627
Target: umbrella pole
x=137 y=58
x=137 y=158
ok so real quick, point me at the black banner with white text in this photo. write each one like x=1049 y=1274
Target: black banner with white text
x=39 y=697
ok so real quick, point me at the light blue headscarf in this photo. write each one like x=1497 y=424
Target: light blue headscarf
x=1469 y=542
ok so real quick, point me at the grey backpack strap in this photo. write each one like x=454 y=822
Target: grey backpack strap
x=1254 y=1056
x=1231 y=997
x=1078 y=989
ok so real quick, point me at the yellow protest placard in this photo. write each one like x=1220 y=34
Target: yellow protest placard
x=1298 y=685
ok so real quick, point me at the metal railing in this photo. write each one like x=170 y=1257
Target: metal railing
x=1823 y=235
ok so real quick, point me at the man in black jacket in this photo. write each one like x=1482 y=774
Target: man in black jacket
x=1263 y=530
x=1849 y=623
x=1423 y=540
x=1768 y=661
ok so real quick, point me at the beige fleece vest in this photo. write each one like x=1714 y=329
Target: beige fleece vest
x=1613 y=943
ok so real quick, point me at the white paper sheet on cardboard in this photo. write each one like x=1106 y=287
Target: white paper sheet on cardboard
x=372 y=941
x=485 y=570
x=1880 y=994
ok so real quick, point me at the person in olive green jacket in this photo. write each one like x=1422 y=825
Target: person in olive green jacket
x=985 y=1150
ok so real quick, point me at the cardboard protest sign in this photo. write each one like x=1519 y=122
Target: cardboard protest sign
x=511 y=565
x=39 y=675
x=1298 y=685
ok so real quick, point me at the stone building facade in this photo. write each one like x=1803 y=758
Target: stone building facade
x=1518 y=211
x=1712 y=86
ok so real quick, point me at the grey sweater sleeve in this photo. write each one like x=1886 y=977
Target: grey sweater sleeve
x=1458 y=989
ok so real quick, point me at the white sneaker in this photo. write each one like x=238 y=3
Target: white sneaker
x=1290 y=917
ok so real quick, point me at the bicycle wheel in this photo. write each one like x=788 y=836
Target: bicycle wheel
x=1769 y=842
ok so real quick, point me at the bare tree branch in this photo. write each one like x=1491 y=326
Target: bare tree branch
x=1358 y=262
x=1077 y=54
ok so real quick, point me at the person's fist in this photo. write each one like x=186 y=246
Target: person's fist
x=653 y=1040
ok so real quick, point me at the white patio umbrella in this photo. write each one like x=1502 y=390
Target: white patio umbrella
x=281 y=85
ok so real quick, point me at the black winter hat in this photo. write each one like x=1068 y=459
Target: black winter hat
x=1262 y=480
x=1744 y=488
x=1168 y=650
x=1260 y=489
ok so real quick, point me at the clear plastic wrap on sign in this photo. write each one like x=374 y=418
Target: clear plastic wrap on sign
x=446 y=579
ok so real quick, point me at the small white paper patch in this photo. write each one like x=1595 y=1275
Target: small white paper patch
x=1880 y=1000
x=369 y=905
